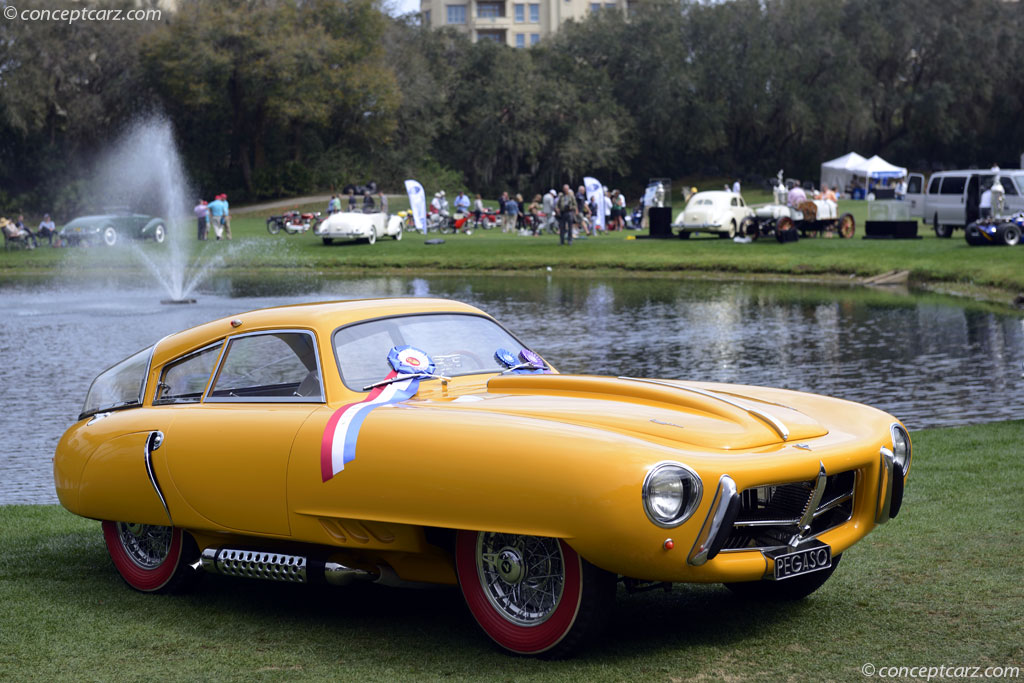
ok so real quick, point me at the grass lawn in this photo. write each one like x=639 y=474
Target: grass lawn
x=940 y=585
x=950 y=262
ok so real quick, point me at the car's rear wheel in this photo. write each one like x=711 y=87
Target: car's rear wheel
x=748 y=228
x=684 y=234
x=1009 y=234
x=159 y=233
x=847 y=226
x=532 y=595
x=372 y=239
x=944 y=231
x=109 y=236
x=328 y=240
x=974 y=236
x=796 y=588
x=730 y=234
x=398 y=235
x=151 y=559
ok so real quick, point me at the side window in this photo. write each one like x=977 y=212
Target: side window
x=914 y=185
x=1008 y=186
x=183 y=381
x=735 y=202
x=933 y=186
x=269 y=367
x=953 y=185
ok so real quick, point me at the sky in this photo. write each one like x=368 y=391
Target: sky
x=397 y=7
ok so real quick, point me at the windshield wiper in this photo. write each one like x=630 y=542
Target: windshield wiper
x=404 y=376
x=524 y=366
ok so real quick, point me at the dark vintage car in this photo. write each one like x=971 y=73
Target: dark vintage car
x=109 y=228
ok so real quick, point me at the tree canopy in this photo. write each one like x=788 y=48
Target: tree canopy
x=276 y=97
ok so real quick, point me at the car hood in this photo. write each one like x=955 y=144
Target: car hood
x=672 y=412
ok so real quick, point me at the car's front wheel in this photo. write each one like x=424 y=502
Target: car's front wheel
x=796 y=588
x=372 y=239
x=159 y=233
x=109 y=236
x=151 y=559
x=532 y=595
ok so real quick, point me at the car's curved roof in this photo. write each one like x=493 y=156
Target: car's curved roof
x=322 y=317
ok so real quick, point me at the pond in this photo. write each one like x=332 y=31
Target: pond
x=928 y=359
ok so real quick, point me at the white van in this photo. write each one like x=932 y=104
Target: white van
x=953 y=196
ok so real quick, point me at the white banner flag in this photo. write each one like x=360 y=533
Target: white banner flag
x=595 y=193
x=418 y=204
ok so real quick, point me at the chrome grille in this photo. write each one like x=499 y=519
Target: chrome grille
x=770 y=515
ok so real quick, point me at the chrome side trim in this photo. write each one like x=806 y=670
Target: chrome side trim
x=886 y=469
x=726 y=497
x=212 y=382
x=255 y=564
x=153 y=442
x=774 y=422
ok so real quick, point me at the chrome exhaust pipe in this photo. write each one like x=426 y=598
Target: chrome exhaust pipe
x=256 y=564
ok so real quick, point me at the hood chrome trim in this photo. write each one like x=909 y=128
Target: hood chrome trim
x=774 y=422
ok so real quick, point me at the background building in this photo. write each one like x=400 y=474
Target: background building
x=511 y=22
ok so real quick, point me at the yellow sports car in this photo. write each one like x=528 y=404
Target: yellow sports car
x=416 y=441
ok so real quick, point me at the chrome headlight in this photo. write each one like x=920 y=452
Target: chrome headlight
x=671 y=493
x=900 y=447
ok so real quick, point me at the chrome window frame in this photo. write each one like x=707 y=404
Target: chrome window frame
x=143 y=387
x=181 y=359
x=266 y=399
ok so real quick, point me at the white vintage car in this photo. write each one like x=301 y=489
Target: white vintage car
x=718 y=212
x=355 y=225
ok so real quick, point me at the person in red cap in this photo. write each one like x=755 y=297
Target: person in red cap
x=217 y=210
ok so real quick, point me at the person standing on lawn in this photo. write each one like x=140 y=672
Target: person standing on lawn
x=565 y=212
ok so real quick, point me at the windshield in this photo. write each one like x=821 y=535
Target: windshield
x=459 y=344
x=121 y=386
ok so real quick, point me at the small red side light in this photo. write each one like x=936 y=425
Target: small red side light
x=236 y=323
x=669 y=544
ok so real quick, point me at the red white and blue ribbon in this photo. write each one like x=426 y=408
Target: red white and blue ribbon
x=338 y=446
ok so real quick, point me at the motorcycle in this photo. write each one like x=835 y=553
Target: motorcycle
x=293 y=222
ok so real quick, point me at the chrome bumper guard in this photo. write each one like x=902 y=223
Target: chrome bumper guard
x=890 y=487
x=718 y=524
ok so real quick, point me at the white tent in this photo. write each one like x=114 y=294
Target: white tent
x=877 y=167
x=839 y=172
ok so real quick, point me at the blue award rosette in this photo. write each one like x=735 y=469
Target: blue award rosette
x=408 y=360
x=506 y=358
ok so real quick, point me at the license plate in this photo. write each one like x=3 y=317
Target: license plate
x=802 y=562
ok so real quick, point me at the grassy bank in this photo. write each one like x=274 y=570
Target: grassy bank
x=948 y=262
x=939 y=585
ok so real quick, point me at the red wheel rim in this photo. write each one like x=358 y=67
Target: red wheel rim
x=136 y=576
x=511 y=636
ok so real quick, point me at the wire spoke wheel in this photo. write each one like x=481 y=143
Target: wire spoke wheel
x=145 y=545
x=151 y=558
x=522 y=576
x=532 y=595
